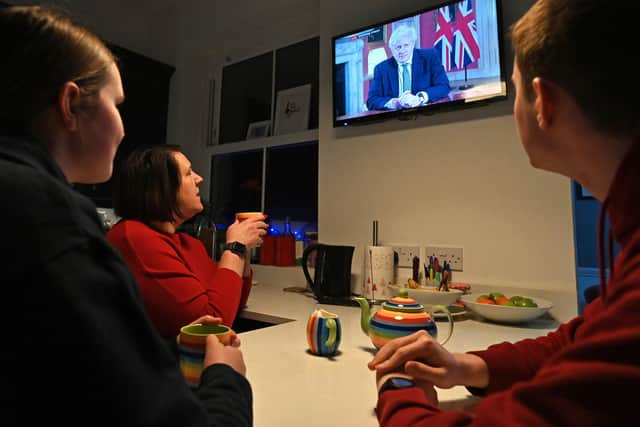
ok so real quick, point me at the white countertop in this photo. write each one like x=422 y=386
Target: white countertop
x=294 y=388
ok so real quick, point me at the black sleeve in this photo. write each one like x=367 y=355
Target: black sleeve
x=227 y=396
x=172 y=345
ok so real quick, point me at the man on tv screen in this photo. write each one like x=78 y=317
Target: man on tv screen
x=412 y=77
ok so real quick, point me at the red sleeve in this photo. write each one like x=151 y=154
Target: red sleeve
x=247 y=283
x=404 y=407
x=524 y=357
x=177 y=279
x=582 y=383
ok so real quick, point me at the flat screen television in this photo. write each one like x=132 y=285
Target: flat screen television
x=444 y=57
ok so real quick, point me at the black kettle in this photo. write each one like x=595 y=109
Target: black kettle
x=332 y=279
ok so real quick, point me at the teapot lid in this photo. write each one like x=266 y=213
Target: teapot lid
x=403 y=303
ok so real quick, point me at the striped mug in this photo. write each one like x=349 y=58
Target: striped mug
x=323 y=333
x=192 y=345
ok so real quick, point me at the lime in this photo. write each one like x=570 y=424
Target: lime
x=496 y=295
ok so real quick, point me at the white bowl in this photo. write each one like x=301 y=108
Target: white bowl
x=429 y=295
x=506 y=313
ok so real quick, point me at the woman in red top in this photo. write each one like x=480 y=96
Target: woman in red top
x=155 y=192
x=574 y=118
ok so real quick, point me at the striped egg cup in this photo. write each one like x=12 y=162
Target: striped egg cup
x=324 y=333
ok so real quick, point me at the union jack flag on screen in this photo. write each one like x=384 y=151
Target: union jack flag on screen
x=444 y=36
x=457 y=36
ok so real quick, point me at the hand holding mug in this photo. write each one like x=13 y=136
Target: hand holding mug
x=195 y=341
x=248 y=230
x=208 y=319
x=229 y=355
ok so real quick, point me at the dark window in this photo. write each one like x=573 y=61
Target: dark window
x=291 y=187
x=236 y=185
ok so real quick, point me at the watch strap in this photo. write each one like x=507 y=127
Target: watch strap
x=236 y=247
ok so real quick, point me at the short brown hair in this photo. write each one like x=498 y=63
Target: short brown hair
x=41 y=49
x=146 y=186
x=583 y=46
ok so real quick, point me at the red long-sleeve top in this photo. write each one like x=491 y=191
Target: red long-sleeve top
x=586 y=373
x=177 y=279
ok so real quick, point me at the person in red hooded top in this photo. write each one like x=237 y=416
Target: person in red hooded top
x=155 y=192
x=573 y=120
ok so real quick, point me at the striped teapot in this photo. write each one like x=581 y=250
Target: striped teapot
x=400 y=316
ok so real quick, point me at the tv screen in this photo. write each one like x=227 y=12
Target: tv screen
x=443 y=57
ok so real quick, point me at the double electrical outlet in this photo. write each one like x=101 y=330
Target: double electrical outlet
x=406 y=254
x=453 y=256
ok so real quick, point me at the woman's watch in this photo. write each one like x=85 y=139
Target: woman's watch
x=236 y=247
x=396 y=383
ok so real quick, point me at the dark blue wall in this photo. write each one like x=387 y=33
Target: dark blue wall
x=586 y=211
x=586 y=231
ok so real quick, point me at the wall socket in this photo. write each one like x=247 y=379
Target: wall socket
x=453 y=256
x=406 y=254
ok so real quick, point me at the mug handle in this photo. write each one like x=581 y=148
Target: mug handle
x=331 y=324
x=449 y=319
x=305 y=255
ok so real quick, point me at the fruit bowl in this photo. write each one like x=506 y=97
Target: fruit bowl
x=426 y=295
x=505 y=313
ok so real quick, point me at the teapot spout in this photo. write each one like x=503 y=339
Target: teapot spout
x=365 y=314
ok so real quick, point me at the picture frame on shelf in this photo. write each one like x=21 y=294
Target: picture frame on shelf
x=292 y=110
x=259 y=129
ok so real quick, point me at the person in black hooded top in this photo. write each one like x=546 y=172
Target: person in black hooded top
x=80 y=350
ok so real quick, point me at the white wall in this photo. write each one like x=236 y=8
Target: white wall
x=145 y=27
x=457 y=179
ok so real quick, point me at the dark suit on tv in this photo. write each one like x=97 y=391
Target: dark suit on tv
x=427 y=74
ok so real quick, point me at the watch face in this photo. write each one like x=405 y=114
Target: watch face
x=402 y=383
x=236 y=248
x=396 y=383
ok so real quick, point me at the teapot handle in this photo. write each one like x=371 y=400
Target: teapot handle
x=305 y=255
x=449 y=319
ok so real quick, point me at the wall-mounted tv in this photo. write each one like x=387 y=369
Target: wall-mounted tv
x=440 y=58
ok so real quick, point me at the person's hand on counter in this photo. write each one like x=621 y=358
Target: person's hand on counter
x=424 y=359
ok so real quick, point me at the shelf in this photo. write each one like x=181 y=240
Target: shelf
x=250 y=88
x=269 y=141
